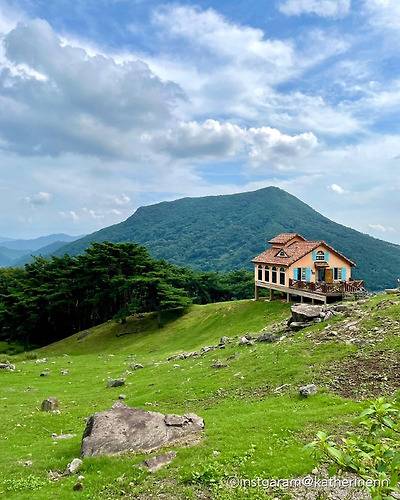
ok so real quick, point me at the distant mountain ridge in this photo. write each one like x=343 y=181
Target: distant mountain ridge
x=225 y=232
x=19 y=252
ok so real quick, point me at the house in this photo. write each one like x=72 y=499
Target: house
x=303 y=268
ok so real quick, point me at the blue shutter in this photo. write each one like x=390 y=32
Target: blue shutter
x=295 y=273
x=344 y=274
x=327 y=256
x=308 y=274
x=314 y=255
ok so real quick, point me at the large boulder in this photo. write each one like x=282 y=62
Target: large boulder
x=305 y=313
x=122 y=429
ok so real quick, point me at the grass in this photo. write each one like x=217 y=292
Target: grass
x=243 y=414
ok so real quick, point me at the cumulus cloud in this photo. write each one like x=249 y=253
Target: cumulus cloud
x=40 y=198
x=213 y=139
x=336 y=188
x=383 y=13
x=82 y=104
x=323 y=8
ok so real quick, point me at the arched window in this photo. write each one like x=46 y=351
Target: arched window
x=260 y=273
x=282 y=276
x=267 y=274
x=320 y=255
x=274 y=275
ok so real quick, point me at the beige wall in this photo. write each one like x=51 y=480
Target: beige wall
x=307 y=261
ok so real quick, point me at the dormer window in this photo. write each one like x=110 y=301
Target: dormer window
x=320 y=255
x=282 y=253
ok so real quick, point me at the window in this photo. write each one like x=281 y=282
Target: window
x=337 y=273
x=282 y=253
x=260 y=273
x=282 y=276
x=303 y=274
x=267 y=274
x=274 y=275
x=320 y=255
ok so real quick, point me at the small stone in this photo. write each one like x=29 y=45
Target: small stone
x=41 y=361
x=308 y=390
x=122 y=397
x=219 y=364
x=61 y=437
x=73 y=466
x=116 y=382
x=46 y=373
x=156 y=463
x=136 y=366
x=7 y=366
x=50 y=404
x=64 y=372
x=245 y=341
x=266 y=337
x=224 y=340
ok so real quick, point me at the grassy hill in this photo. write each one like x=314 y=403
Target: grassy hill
x=251 y=428
x=226 y=232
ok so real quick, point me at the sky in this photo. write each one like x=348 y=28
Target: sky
x=107 y=105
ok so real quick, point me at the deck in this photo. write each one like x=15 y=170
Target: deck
x=314 y=291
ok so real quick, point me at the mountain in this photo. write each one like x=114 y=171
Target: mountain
x=43 y=252
x=34 y=244
x=225 y=232
x=8 y=256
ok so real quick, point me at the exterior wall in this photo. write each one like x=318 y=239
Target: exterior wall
x=307 y=261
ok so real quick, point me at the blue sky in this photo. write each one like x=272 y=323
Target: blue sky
x=106 y=105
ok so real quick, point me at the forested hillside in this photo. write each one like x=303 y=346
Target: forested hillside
x=225 y=232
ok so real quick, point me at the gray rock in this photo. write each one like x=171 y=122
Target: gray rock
x=224 y=340
x=64 y=372
x=156 y=463
x=46 y=373
x=245 y=341
x=118 y=382
x=304 y=313
x=136 y=366
x=308 y=390
x=7 y=366
x=299 y=325
x=122 y=429
x=121 y=397
x=266 y=337
x=73 y=467
x=50 y=404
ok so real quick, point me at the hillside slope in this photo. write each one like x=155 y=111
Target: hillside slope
x=256 y=424
x=226 y=232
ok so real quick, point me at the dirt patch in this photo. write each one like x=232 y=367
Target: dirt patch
x=362 y=377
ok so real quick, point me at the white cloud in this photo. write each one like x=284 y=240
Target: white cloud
x=336 y=188
x=383 y=13
x=213 y=139
x=81 y=104
x=323 y=8
x=40 y=198
x=123 y=199
x=70 y=214
x=381 y=228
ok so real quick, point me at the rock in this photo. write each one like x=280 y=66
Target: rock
x=299 y=325
x=266 y=337
x=7 y=366
x=73 y=466
x=64 y=372
x=224 y=340
x=61 y=437
x=46 y=373
x=303 y=313
x=118 y=382
x=50 y=404
x=245 y=341
x=308 y=390
x=219 y=364
x=123 y=429
x=121 y=397
x=156 y=463
x=136 y=366
x=391 y=291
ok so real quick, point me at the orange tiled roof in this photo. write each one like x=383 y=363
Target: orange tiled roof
x=284 y=238
x=294 y=251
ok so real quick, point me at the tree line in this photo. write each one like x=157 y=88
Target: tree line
x=52 y=298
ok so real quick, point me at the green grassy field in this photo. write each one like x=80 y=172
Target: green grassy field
x=250 y=430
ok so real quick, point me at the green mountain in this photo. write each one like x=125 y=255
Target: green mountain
x=36 y=243
x=225 y=232
x=8 y=256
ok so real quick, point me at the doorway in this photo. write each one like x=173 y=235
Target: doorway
x=321 y=274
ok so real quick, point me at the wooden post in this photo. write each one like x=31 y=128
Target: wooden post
x=271 y=294
x=301 y=298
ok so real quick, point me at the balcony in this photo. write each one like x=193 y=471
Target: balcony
x=336 y=288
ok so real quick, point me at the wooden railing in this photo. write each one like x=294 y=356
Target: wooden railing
x=325 y=288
